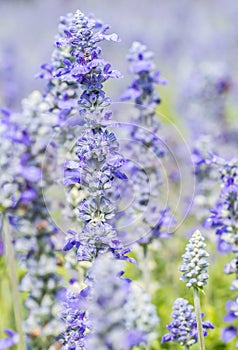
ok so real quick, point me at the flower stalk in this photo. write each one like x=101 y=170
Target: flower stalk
x=197 y=307
x=11 y=264
x=146 y=267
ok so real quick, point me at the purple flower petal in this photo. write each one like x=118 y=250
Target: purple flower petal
x=31 y=173
x=229 y=333
x=12 y=339
x=223 y=247
x=28 y=196
x=165 y=338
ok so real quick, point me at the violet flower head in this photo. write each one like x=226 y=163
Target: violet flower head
x=112 y=310
x=205 y=164
x=77 y=63
x=33 y=230
x=224 y=217
x=23 y=148
x=183 y=328
x=145 y=148
x=142 y=93
x=195 y=262
x=61 y=96
x=75 y=318
x=95 y=166
x=141 y=313
x=13 y=145
x=96 y=170
x=96 y=317
x=203 y=100
x=142 y=90
x=204 y=157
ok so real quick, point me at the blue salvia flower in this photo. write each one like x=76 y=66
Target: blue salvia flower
x=207 y=92
x=204 y=160
x=141 y=313
x=142 y=90
x=108 y=309
x=183 y=328
x=225 y=214
x=195 y=262
x=77 y=70
x=207 y=163
x=96 y=164
x=97 y=161
x=209 y=87
x=27 y=144
x=77 y=63
x=224 y=219
x=206 y=95
x=61 y=96
x=74 y=315
x=35 y=234
x=85 y=66
x=40 y=248
x=41 y=281
x=117 y=316
x=20 y=176
x=13 y=144
x=10 y=341
x=145 y=146
x=95 y=170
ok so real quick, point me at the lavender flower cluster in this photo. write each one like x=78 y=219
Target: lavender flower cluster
x=145 y=148
x=223 y=219
x=34 y=233
x=183 y=328
x=97 y=317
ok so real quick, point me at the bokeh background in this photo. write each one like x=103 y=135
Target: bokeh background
x=182 y=34
x=193 y=41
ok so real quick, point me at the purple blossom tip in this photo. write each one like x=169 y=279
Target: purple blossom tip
x=13 y=338
x=229 y=333
x=166 y=338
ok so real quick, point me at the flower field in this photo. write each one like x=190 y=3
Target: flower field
x=119 y=175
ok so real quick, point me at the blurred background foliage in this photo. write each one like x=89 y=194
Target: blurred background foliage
x=182 y=34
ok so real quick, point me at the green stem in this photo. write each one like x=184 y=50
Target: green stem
x=12 y=270
x=145 y=268
x=146 y=273
x=2 y=288
x=186 y=347
x=198 y=318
